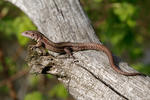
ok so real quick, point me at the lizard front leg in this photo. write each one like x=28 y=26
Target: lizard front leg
x=40 y=51
x=38 y=44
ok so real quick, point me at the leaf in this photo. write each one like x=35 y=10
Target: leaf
x=131 y=23
x=58 y=91
x=124 y=10
x=34 y=96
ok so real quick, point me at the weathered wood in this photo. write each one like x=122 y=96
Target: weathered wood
x=90 y=77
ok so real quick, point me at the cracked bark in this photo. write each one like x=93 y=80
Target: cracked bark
x=89 y=76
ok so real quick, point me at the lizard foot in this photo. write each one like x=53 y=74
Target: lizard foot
x=69 y=53
x=40 y=51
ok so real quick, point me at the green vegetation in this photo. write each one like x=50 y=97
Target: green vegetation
x=58 y=91
x=34 y=96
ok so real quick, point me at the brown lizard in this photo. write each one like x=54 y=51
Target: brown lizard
x=69 y=47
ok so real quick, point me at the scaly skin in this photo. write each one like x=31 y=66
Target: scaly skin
x=69 y=47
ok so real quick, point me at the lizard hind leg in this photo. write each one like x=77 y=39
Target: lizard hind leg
x=68 y=51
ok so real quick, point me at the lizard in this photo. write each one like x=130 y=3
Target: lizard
x=69 y=47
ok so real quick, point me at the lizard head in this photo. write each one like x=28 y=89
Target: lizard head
x=35 y=35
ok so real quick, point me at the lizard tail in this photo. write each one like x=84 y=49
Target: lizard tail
x=99 y=47
x=116 y=68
